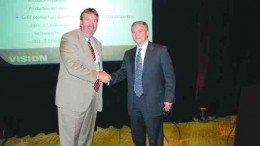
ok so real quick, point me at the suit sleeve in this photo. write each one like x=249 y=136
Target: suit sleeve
x=169 y=76
x=120 y=74
x=74 y=66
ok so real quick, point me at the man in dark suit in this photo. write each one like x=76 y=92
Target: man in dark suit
x=151 y=86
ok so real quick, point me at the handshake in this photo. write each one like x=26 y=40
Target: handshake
x=104 y=77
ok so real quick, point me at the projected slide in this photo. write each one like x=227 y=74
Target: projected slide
x=31 y=29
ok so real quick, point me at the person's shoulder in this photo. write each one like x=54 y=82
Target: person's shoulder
x=157 y=45
x=130 y=50
x=96 y=40
x=71 y=33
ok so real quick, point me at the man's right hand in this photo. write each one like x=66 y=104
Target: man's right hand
x=104 y=77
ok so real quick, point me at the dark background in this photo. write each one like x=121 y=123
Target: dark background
x=214 y=49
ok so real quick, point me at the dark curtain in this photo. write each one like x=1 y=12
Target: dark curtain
x=174 y=25
x=216 y=87
x=203 y=47
x=231 y=60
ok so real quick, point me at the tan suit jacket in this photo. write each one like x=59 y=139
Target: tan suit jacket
x=75 y=87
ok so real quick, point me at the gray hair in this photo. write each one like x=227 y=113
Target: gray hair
x=140 y=22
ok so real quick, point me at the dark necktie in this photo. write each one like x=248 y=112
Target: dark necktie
x=96 y=84
x=138 y=87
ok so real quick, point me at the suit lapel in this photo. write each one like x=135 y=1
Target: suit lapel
x=148 y=56
x=132 y=61
x=97 y=48
x=81 y=38
x=85 y=48
x=99 y=51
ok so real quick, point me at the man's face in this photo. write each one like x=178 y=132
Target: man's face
x=139 y=34
x=89 y=24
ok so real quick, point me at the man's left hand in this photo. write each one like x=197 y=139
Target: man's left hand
x=167 y=106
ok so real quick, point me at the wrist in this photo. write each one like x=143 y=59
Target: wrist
x=98 y=75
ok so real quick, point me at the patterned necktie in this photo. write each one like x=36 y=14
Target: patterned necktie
x=138 y=87
x=96 y=84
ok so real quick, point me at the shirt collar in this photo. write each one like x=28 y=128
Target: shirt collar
x=144 y=47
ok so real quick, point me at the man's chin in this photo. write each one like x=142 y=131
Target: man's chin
x=91 y=33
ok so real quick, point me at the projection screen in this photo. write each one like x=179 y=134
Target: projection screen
x=31 y=29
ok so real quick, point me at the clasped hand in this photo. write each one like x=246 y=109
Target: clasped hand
x=104 y=77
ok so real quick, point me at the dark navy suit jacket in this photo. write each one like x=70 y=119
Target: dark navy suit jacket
x=158 y=78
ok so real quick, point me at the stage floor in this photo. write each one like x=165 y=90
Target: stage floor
x=216 y=131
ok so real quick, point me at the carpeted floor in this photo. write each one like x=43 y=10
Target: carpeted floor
x=214 y=132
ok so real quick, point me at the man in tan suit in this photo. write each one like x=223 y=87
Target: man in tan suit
x=79 y=87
